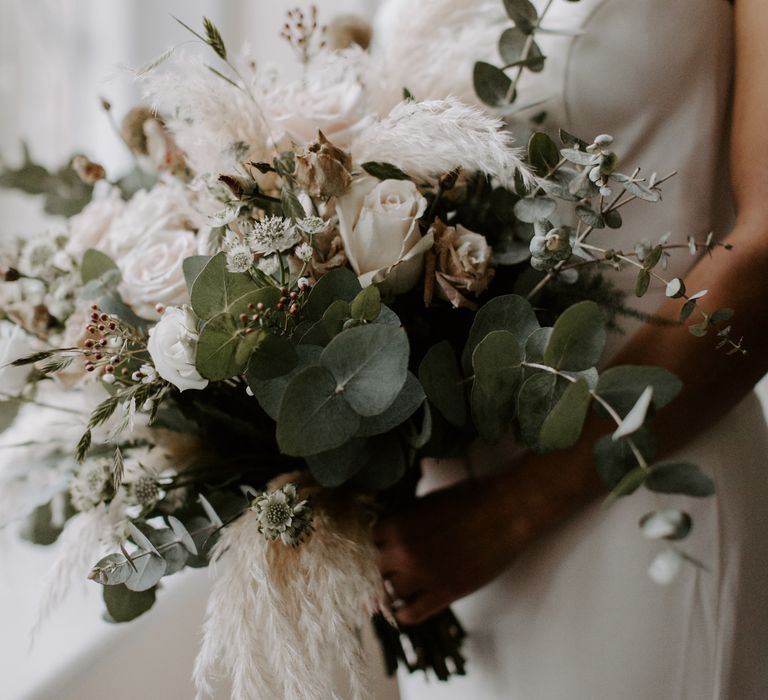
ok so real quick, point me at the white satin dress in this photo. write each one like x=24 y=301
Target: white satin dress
x=576 y=617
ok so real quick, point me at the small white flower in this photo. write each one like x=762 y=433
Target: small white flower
x=269 y=265
x=282 y=515
x=302 y=283
x=662 y=523
x=272 y=235
x=239 y=256
x=304 y=252
x=148 y=373
x=312 y=225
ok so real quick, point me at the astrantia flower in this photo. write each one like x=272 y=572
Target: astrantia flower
x=145 y=491
x=282 y=515
x=272 y=235
x=239 y=255
x=312 y=225
x=304 y=252
x=91 y=485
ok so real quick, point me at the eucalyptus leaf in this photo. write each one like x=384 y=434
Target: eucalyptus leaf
x=538 y=396
x=440 y=375
x=532 y=209
x=577 y=339
x=615 y=459
x=508 y=312
x=340 y=283
x=522 y=13
x=192 y=267
x=336 y=466
x=95 y=264
x=402 y=408
x=536 y=345
x=681 y=478
x=369 y=364
x=634 y=420
x=314 y=416
x=269 y=393
x=491 y=84
x=272 y=356
x=216 y=290
x=174 y=553
x=112 y=570
x=366 y=306
x=124 y=605
x=511 y=48
x=182 y=534
x=292 y=207
x=150 y=568
x=622 y=386
x=563 y=426
x=383 y=463
x=217 y=348
x=384 y=171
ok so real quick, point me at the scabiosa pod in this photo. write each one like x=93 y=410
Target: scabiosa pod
x=281 y=514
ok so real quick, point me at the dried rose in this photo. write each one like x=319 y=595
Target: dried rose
x=460 y=263
x=323 y=170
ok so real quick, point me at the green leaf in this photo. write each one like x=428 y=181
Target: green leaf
x=590 y=217
x=340 y=283
x=334 y=467
x=522 y=13
x=216 y=290
x=39 y=526
x=653 y=257
x=95 y=264
x=681 y=478
x=192 y=267
x=496 y=363
x=269 y=393
x=112 y=570
x=314 y=416
x=687 y=310
x=491 y=84
x=443 y=384
x=511 y=47
x=613 y=219
x=217 y=348
x=638 y=189
x=173 y=552
x=182 y=534
x=503 y=313
x=537 y=398
x=577 y=339
x=366 y=306
x=150 y=568
x=402 y=408
x=369 y=364
x=533 y=209
x=563 y=426
x=124 y=605
x=383 y=463
x=630 y=482
x=621 y=387
x=292 y=207
x=272 y=356
x=634 y=420
x=642 y=283
x=615 y=459
x=384 y=171
x=536 y=345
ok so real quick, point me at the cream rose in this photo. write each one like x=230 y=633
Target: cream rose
x=172 y=346
x=14 y=344
x=89 y=228
x=378 y=222
x=152 y=272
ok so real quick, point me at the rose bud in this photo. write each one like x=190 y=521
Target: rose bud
x=323 y=170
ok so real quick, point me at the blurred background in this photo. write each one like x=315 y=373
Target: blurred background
x=57 y=59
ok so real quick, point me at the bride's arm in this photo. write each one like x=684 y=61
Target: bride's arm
x=456 y=540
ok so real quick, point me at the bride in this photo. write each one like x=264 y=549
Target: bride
x=550 y=585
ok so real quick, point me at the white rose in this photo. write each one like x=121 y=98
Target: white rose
x=14 y=344
x=304 y=109
x=152 y=272
x=88 y=228
x=474 y=253
x=378 y=222
x=165 y=206
x=172 y=346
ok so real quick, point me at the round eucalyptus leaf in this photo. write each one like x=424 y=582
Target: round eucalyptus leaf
x=531 y=209
x=271 y=356
x=577 y=339
x=402 y=408
x=192 y=267
x=111 y=570
x=543 y=153
x=216 y=290
x=511 y=48
x=269 y=393
x=314 y=415
x=508 y=312
x=443 y=384
x=536 y=344
x=150 y=568
x=522 y=13
x=175 y=555
x=217 y=348
x=369 y=364
x=383 y=463
x=680 y=477
x=340 y=283
x=124 y=605
x=336 y=466
x=562 y=427
x=622 y=386
x=366 y=306
x=538 y=396
x=615 y=459
x=491 y=84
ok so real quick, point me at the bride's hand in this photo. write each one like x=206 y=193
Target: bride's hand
x=442 y=546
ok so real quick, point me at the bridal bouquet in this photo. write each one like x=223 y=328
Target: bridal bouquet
x=299 y=294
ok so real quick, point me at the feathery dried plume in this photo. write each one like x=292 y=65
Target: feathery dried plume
x=216 y=124
x=430 y=48
x=429 y=139
x=280 y=618
x=80 y=544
